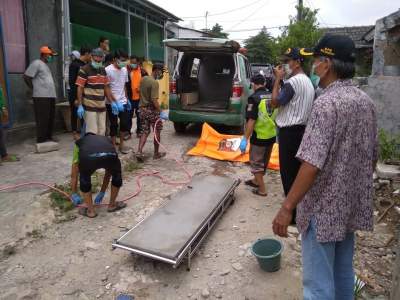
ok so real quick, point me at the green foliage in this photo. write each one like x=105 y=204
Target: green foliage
x=131 y=166
x=217 y=31
x=302 y=34
x=261 y=48
x=389 y=146
x=59 y=200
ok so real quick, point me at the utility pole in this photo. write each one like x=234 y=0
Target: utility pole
x=299 y=10
x=206 y=21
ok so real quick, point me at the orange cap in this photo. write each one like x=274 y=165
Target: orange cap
x=47 y=50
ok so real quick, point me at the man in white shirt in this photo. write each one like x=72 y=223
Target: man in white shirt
x=118 y=77
x=38 y=77
x=294 y=99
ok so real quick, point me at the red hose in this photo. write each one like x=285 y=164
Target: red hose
x=138 y=182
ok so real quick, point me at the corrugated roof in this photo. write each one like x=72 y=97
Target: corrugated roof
x=356 y=33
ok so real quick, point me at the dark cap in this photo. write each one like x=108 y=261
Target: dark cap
x=258 y=79
x=97 y=52
x=158 y=66
x=340 y=47
x=295 y=54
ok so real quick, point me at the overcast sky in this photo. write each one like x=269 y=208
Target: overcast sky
x=238 y=16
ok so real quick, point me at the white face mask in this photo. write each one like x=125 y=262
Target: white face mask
x=287 y=69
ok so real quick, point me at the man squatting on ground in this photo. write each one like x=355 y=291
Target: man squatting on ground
x=261 y=127
x=333 y=190
x=294 y=101
x=91 y=153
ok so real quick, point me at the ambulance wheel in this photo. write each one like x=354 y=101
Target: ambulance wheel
x=180 y=127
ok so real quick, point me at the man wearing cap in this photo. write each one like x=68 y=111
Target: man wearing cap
x=93 y=86
x=39 y=78
x=150 y=111
x=333 y=191
x=261 y=130
x=74 y=67
x=294 y=99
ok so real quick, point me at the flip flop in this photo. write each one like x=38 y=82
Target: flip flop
x=11 y=158
x=256 y=192
x=83 y=211
x=159 y=155
x=120 y=205
x=251 y=183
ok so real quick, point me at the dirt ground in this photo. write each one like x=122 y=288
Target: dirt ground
x=52 y=255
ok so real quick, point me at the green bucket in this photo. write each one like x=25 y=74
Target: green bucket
x=268 y=253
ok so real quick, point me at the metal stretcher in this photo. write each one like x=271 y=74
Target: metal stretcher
x=175 y=231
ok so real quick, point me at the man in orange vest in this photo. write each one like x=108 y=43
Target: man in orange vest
x=133 y=89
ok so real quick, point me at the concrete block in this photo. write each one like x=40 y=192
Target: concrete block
x=47 y=147
x=387 y=171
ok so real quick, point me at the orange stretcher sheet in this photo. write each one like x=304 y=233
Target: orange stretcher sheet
x=226 y=147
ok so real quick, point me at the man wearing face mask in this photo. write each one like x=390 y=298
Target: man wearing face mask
x=133 y=89
x=93 y=86
x=150 y=111
x=39 y=78
x=294 y=101
x=333 y=191
x=118 y=77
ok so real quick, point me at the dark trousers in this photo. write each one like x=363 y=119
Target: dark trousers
x=135 y=110
x=289 y=143
x=123 y=120
x=44 y=115
x=74 y=110
x=3 y=150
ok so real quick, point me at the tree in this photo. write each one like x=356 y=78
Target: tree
x=261 y=47
x=304 y=33
x=217 y=31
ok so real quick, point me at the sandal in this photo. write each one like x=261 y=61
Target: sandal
x=159 y=155
x=119 y=205
x=83 y=211
x=256 y=192
x=10 y=158
x=251 y=183
x=140 y=157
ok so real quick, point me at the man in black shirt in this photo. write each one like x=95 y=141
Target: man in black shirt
x=261 y=127
x=74 y=67
x=91 y=153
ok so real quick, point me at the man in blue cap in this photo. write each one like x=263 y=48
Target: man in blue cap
x=333 y=190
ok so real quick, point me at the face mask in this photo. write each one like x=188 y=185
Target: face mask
x=134 y=66
x=96 y=65
x=314 y=77
x=50 y=59
x=121 y=64
x=287 y=69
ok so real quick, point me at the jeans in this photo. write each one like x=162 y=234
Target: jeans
x=135 y=110
x=327 y=267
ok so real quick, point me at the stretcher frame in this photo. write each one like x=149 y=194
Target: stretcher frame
x=196 y=239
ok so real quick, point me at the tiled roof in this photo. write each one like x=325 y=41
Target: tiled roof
x=356 y=33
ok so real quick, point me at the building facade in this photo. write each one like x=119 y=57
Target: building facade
x=137 y=26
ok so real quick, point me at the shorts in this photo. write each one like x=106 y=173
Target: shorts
x=95 y=122
x=148 y=119
x=123 y=121
x=89 y=166
x=259 y=158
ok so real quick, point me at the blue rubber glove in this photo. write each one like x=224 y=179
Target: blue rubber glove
x=164 y=115
x=120 y=106
x=129 y=106
x=76 y=199
x=114 y=108
x=243 y=145
x=80 y=112
x=99 y=198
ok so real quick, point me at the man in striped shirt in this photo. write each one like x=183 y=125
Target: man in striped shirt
x=294 y=99
x=93 y=86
